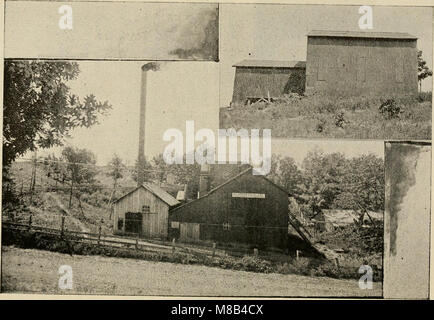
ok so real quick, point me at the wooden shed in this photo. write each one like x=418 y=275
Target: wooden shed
x=247 y=208
x=267 y=79
x=143 y=211
x=361 y=63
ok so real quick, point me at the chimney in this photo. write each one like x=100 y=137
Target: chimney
x=145 y=68
x=204 y=180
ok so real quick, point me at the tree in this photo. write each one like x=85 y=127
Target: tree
x=422 y=69
x=322 y=177
x=116 y=166
x=285 y=172
x=39 y=110
x=147 y=168
x=362 y=184
x=81 y=169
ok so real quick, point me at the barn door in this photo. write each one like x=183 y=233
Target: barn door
x=133 y=222
x=189 y=232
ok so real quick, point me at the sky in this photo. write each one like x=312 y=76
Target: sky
x=278 y=32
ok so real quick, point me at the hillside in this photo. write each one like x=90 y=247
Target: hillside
x=51 y=198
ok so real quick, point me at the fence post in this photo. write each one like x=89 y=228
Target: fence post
x=99 y=234
x=296 y=254
x=173 y=245
x=213 y=249
x=30 y=221
x=255 y=252
x=137 y=242
x=63 y=225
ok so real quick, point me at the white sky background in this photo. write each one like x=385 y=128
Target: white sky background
x=278 y=32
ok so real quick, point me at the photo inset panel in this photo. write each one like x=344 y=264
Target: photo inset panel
x=407 y=220
x=311 y=71
x=111 y=30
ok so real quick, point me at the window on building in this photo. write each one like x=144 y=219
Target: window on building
x=226 y=226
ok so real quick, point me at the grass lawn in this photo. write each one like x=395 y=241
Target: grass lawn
x=326 y=117
x=36 y=271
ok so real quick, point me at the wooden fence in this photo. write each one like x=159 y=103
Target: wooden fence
x=99 y=239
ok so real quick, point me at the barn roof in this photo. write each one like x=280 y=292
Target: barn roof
x=271 y=64
x=228 y=181
x=361 y=34
x=157 y=191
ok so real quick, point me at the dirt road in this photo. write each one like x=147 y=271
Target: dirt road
x=35 y=271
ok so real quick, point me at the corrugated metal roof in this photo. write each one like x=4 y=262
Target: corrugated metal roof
x=271 y=64
x=361 y=34
x=160 y=193
x=156 y=190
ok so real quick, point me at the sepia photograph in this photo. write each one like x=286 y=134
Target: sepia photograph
x=216 y=151
x=76 y=193
x=309 y=71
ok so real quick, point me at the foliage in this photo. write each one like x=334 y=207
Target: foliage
x=302 y=266
x=316 y=117
x=39 y=110
x=390 y=109
x=423 y=71
x=116 y=168
x=145 y=166
x=81 y=170
x=284 y=172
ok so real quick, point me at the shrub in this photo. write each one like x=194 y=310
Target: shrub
x=424 y=96
x=390 y=109
x=339 y=119
x=321 y=125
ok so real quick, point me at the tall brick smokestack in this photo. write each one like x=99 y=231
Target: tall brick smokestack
x=141 y=159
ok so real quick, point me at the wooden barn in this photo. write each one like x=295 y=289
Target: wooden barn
x=246 y=208
x=143 y=211
x=361 y=63
x=267 y=79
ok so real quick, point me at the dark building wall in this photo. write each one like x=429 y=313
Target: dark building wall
x=259 y=222
x=358 y=66
x=256 y=82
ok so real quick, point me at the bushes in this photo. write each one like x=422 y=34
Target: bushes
x=302 y=266
x=390 y=109
x=424 y=96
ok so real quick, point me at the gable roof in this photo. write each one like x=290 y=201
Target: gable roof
x=361 y=34
x=271 y=64
x=229 y=181
x=157 y=191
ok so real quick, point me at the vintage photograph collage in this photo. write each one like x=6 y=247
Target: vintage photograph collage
x=180 y=149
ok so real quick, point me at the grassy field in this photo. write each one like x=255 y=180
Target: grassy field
x=320 y=117
x=35 y=271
